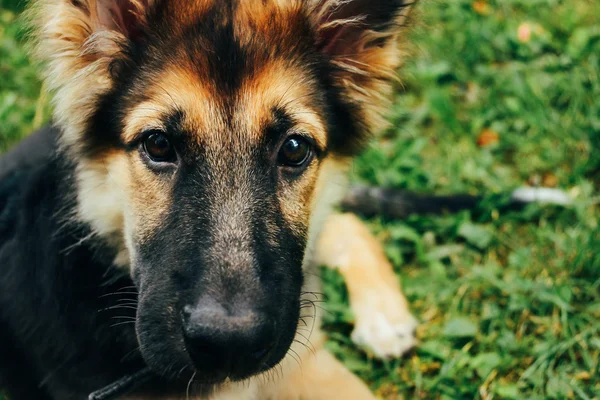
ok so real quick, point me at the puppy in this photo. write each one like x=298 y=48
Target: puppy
x=173 y=217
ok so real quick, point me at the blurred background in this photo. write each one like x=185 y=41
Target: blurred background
x=496 y=95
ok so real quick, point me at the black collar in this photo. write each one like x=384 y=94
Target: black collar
x=123 y=386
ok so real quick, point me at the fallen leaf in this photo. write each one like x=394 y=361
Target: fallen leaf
x=481 y=7
x=524 y=32
x=583 y=376
x=487 y=137
x=550 y=180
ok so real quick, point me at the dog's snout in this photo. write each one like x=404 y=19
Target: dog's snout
x=224 y=343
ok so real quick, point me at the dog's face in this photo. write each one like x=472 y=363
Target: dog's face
x=204 y=132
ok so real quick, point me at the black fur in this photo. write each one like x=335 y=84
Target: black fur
x=55 y=341
x=216 y=289
x=60 y=336
x=184 y=257
x=153 y=51
x=213 y=250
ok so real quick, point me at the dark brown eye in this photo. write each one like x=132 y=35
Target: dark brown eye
x=158 y=148
x=294 y=152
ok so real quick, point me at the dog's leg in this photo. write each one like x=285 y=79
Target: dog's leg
x=384 y=323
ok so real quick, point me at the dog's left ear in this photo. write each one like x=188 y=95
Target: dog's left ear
x=363 y=41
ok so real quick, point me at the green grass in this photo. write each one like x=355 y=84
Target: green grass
x=509 y=301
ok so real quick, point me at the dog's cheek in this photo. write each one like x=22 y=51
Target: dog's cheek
x=295 y=197
x=330 y=182
x=103 y=187
x=149 y=199
x=124 y=201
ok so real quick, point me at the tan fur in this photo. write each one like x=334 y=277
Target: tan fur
x=384 y=323
x=144 y=117
x=101 y=198
x=78 y=48
x=322 y=377
x=273 y=86
x=123 y=200
x=177 y=87
x=149 y=199
x=285 y=86
x=107 y=197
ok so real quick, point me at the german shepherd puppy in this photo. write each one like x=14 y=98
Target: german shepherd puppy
x=173 y=216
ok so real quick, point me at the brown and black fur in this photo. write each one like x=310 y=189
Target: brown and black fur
x=199 y=267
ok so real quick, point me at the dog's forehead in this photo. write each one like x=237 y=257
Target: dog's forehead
x=231 y=66
x=243 y=33
x=261 y=13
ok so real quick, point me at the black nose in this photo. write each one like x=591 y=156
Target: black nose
x=226 y=342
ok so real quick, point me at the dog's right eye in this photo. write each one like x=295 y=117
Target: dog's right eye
x=295 y=152
x=159 y=148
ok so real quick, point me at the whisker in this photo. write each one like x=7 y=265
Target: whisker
x=118 y=306
x=187 y=390
x=123 y=317
x=304 y=301
x=181 y=371
x=130 y=353
x=116 y=294
x=122 y=323
x=127 y=288
x=127 y=303
x=296 y=357
x=307 y=340
x=305 y=345
x=317 y=294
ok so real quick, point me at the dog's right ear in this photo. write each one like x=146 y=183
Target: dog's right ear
x=123 y=16
x=72 y=34
x=81 y=42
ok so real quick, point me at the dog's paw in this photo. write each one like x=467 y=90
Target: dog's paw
x=386 y=337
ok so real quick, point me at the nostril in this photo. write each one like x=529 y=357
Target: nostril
x=190 y=316
x=186 y=313
x=204 y=320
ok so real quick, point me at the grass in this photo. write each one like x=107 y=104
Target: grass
x=498 y=94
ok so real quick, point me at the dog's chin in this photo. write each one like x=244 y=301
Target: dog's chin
x=175 y=364
x=184 y=372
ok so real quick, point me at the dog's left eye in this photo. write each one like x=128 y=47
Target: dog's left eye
x=159 y=148
x=295 y=152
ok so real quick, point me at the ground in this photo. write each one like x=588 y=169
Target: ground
x=496 y=95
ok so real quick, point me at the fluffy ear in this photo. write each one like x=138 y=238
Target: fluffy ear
x=79 y=41
x=123 y=16
x=362 y=39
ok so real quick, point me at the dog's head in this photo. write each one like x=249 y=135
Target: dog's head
x=205 y=132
